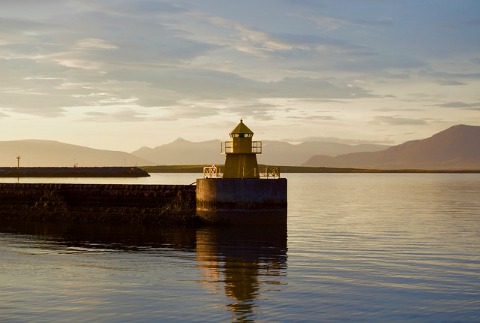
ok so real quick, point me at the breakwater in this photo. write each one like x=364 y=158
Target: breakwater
x=72 y=172
x=98 y=203
x=242 y=201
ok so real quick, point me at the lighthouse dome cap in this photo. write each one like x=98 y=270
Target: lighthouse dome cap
x=241 y=128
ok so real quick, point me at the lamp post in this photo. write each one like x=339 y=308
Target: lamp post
x=18 y=168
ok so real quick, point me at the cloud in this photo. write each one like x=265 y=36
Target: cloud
x=313 y=117
x=385 y=109
x=382 y=64
x=136 y=8
x=114 y=48
x=449 y=75
x=34 y=103
x=397 y=121
x=327 y=23
x=94 y=44
x=213 y=85
x=258 y=43
x=315 y=89
x=330 y=23
x=257 y=109
x=461 y=105
x=142 y=60
x=66 y=61
x=35 y=95
x=220 y=32
x=189 y=110
x=37 y=88
x=124 y=115
x=320 y=43
x=346 y=141
x=450 y=83
x=17 y=26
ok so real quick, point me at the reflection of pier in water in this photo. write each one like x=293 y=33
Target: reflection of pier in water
x=107 y=237
x=241 y=263
x=242 y=260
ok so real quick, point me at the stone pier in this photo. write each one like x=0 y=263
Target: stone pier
x=98 y=203
x=242 y=201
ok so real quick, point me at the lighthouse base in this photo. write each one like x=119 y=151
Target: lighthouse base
x=242 y=201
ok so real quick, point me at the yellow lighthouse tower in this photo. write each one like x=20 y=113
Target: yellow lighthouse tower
x=241 y=158
x=242 y=195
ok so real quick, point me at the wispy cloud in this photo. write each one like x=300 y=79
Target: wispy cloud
x=94 y=44
x=461 y=105
x=450 y=83
x=397 y=121
x=124 y=115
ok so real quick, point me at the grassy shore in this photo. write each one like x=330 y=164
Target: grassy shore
x=296 y=169
x=72 y=172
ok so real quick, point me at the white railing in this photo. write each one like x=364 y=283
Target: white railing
x=270 y=172
x=212 y=172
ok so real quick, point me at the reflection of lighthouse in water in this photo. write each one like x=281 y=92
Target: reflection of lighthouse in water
x=244 y=262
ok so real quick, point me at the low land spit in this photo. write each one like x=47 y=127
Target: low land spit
x=72 y=172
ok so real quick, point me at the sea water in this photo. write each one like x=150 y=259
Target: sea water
x=357 y=247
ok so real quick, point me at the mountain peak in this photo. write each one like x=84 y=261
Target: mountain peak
x=454 y=148
x=461 y=127
x=459 y=132
x=180 y=140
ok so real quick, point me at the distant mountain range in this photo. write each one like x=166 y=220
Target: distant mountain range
x=286 y=154
x=45 y=153
x=183 y=152
x=456 y=148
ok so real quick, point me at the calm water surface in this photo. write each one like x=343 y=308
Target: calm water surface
x=358 y=247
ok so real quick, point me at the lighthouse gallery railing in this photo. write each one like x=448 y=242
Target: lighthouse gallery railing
x=266 y=172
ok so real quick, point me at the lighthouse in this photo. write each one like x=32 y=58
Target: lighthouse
x=244 y=193
x=241 y=153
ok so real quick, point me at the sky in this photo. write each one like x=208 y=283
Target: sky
x=123 y=74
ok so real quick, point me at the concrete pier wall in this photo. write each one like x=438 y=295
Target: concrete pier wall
x=242 y=200
x=98 y=203
x=236 y=201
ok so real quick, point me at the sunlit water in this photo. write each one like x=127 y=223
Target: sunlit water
x=358 y=247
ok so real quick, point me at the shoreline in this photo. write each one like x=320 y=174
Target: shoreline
x=144 y=171
x=303 y=169
x=72 y=172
